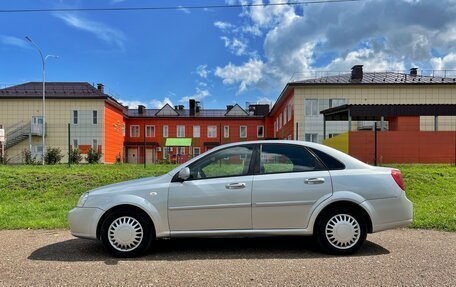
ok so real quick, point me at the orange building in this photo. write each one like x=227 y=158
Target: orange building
x=175 y=134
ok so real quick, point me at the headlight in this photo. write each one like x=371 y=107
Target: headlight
x=82 y=199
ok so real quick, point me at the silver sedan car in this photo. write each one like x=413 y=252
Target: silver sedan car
x=248 y=189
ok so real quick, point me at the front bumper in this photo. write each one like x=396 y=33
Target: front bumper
x=390 y=212
x=83 y=221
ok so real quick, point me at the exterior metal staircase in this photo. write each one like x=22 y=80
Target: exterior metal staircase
x=17 y=134
x=20 y=132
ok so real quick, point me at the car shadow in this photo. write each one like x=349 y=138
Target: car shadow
x=198 y=249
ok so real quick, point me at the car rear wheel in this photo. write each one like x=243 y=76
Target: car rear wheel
x=341 y=231
x=126 y=234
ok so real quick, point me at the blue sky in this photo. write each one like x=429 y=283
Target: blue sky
x=221 y=56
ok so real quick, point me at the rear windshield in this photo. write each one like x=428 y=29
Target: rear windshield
x=330 y=162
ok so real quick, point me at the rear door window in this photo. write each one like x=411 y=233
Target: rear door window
x=282 y=158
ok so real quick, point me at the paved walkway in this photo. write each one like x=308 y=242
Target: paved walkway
x=393 y=258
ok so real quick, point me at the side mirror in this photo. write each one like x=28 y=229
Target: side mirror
x=184 y=174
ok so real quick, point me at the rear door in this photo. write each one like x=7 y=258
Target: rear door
x=290 y=180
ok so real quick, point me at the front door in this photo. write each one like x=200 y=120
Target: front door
x=289 y=182
x=217 y=196
x=150 y=155
x=132 y=155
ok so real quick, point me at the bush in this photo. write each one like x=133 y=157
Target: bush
x=93 y=156
x=53 y=155
x=28 y=159
x=75 y=156
x=4 y=158
x=118 y=159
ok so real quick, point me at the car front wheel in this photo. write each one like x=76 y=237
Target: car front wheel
x=126 y=234
x=341 y=231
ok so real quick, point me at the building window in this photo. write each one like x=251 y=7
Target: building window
x=95 y=144
x=94 y=117
x=226 y=131
x=336 y=102
x=75 y=143
x=134 y=131
x=75 y=117
x=150 y=131
x=181 y=131
x=260 y=131
x=275 y=126
x=165 y=131
x=280 y=121
x=289 y=111
x=311 y=138
x=123 y=129
x=284 y=116
x=212 y=131
x=181 y=150
x=196 y=151
x=196 y=131
x=311 y=107
x=243 y=132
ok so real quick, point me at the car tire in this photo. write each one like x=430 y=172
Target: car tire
x=341 y=231
x=126 y=233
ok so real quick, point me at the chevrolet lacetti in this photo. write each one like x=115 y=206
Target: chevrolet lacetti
x=248 y=189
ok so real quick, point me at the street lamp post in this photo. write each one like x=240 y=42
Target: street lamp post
x=43 y=62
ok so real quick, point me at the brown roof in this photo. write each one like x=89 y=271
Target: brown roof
x=378 y=78
x=185 y=113
x=55 y=90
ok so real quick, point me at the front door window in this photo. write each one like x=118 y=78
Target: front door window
x=234 y=161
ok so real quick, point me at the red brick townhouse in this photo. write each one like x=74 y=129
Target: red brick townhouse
x=176 y=133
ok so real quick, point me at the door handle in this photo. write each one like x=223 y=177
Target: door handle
x=315 y=180
x=239 y=185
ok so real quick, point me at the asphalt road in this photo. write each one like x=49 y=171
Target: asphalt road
x=393 y=258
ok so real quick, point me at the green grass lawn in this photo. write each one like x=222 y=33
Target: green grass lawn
x=40 y=197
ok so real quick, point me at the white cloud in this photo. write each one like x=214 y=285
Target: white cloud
x=14 y=41
x=380 y=34
x=132 y=104
x=199 y=95
x=245 y=75
x=235 y=45
x=158 y=104
x=100 y=30
x=223 y=25
x=265 y=100
x=202 y=71
x=374 y=61
x=447 y=62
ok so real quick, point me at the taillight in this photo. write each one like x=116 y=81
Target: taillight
x=397 y=175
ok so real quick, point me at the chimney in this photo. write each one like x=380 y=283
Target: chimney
x=229 y=107
x=192 y=106
x=141 y=109
x=414 y=72
x=100 y=88
x=357 y=73
x=180 y=107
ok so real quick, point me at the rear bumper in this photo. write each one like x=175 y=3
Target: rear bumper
x=83 y=221
x=390 y=213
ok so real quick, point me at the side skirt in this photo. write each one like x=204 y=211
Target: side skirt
x=241 y=233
